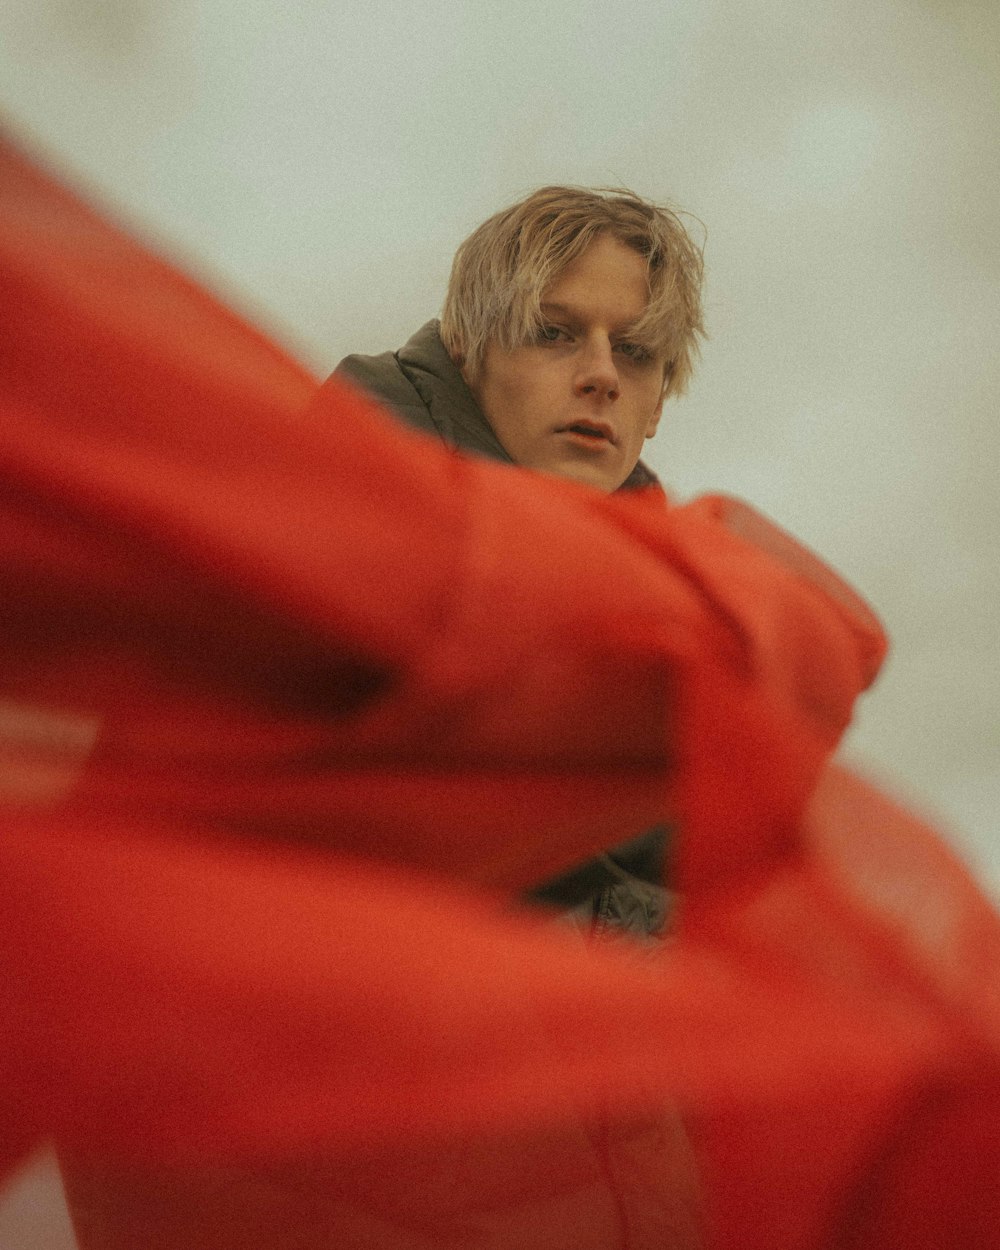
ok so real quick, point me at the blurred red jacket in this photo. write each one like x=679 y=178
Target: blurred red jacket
x=291 y=710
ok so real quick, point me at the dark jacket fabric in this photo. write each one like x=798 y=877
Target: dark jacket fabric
x=623 y=890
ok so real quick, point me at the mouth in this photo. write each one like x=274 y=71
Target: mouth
x=590 y=431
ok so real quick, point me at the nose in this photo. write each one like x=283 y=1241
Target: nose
x=597 y=374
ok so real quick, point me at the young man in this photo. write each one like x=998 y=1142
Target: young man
x=569 y=319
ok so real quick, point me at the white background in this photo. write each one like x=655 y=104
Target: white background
x=319 y=162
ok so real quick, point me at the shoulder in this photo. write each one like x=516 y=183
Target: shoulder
x=385 y=379
x=422 y=385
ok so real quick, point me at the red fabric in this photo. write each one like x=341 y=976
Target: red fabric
x=290 y=707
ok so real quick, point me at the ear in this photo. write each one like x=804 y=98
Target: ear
x=469 y=375
x=458 y=360
x=654 y=420
x=668 y=385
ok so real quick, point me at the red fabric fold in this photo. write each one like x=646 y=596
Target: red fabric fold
x=288 y=711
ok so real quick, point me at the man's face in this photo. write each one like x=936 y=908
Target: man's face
x=580 y=400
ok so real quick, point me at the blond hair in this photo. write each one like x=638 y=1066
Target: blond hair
x=502 y=270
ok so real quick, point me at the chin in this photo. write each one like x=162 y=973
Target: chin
x=585 y=475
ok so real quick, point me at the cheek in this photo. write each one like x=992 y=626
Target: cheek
x=524 y=395
x=502 y=384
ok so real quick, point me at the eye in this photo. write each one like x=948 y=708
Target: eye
x=548 y=333
x=635 y=352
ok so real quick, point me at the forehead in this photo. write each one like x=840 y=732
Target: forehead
x=607 y=281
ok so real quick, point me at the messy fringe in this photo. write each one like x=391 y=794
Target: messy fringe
x=502 y=270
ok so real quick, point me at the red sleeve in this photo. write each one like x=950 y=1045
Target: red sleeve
x=319 y=626
x=869 y=906
x=278 y=691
